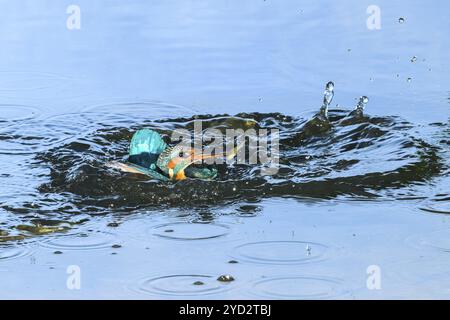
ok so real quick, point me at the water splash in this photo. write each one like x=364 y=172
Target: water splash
x=359 y=110
x=328 y=95
x=343 y=160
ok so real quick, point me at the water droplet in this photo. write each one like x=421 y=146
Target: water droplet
x=401 y=20
x=363 y=100
x=359 y=109
x=198 y=283
x=189 y=231
x=414 y=59
x=327 y=98
x=299 y=287
x=116 y=246
x=308 y=250
x=329 y=87
x=409 y=79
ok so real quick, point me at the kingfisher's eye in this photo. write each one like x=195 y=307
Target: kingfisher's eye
x=183 y=154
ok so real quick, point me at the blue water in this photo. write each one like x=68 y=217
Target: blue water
x=196 y=57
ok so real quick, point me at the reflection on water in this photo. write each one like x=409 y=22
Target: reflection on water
x=71 y=100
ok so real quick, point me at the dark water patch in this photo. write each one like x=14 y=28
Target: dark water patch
x=248 y=210
x=439 y=201
x=362 y=158
x=438 y=204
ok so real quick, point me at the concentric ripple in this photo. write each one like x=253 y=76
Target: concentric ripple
x=190 y=231
x=298 y=287
x=126 y=112
x=15 y=178
x=182 y=285
x=280 y=252
x=12 y=252
x=80 y=241
x=29 y=81
x=17 y=138
x=12 y=113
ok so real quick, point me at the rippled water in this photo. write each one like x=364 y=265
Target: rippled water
x=351 y=193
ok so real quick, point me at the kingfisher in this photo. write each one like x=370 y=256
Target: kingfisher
x=150 y=155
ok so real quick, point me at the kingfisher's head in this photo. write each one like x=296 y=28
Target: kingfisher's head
x=174 y=160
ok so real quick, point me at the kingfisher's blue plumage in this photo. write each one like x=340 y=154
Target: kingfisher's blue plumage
x=150 y=155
